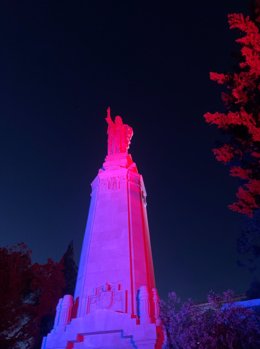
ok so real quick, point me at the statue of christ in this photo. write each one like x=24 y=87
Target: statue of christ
x=119 y=134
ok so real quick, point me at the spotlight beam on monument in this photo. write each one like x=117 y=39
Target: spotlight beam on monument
x=115 y=304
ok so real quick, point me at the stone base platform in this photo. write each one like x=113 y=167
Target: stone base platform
x=119 y=331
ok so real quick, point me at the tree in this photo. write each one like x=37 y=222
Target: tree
x=69 y=276
x=248 y=244
x=15 y=296
x=241 y=121
x=28 y=293
x=218 y=324
x=70 y=269
x=254 y=290
x=248 y=247
x=48 y=286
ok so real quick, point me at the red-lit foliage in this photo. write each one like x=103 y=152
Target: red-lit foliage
x=48 y=286
x=241 y=122
x=28 y=294
x=15 y=278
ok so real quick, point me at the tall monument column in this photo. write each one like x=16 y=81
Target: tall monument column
x=115 y=303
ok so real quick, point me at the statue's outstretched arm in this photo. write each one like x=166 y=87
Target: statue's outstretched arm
x=108 y=118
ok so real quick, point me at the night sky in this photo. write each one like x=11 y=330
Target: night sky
x=61 y=64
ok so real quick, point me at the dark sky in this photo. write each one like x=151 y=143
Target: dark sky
x=61 y=64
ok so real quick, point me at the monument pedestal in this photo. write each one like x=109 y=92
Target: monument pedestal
x=115 y=303
x=104 y=329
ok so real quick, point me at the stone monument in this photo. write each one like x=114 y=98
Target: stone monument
x=115 y=304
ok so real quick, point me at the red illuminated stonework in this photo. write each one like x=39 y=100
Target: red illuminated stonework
x=115 y=304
